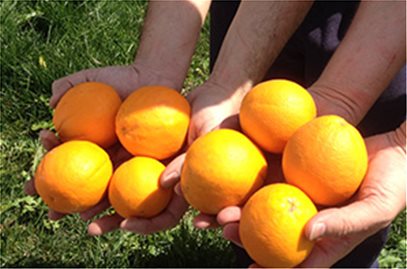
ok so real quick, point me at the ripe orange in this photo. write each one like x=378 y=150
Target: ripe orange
x=73 y=176
x=222 y=168
x=153 y=121
x=273 y=110
x=87 y=112
x=272 y=223
x=327 y=159
x=135 y=189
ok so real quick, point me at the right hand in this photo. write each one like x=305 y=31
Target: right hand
x=125 y=79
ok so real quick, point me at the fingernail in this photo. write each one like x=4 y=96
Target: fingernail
x=168 y=180
x=94 y=229
x=126 y=225
x=178 y=190
x=317 y=231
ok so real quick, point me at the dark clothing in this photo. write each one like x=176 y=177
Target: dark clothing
x=303 y=60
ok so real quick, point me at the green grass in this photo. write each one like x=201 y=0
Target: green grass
x=40 y=42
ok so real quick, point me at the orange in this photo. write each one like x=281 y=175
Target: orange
x=273 y=110
x=73 y=176
x=135 y=189
x=222 y=168
x=153 y=121
x=272 y=226
x=87 y=112
x=327 y=159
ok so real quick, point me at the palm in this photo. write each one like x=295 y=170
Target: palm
x=211 y=111
x=125 y=79
x=382 y=195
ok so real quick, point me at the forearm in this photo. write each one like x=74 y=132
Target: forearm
x=256 y=36
x=170 y=33
x=369 y=57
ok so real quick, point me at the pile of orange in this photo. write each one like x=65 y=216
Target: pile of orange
x=151 y=124
x=324 y=161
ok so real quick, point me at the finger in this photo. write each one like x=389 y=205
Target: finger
x=192 y=134
x=54 y=215
x=62 y=85
x=165 y=220
x=204 y=221
x=228 y=215
x=48 y=139
x=105 y=224
x=29 y=187
x=231 y=233
x=231 y=122
x=178 y=190
x=355 y=218
x=172 y=172
x=100 y=207
x=327 y=251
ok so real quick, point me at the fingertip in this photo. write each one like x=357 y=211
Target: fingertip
x=48 y=139
x=178 y=190
x=203 y=221
x=29 y=188
x=228 y=215
x=94 y=229
x=124 y=224
x=315 y=231
x=59 y=87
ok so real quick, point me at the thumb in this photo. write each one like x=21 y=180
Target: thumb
x=62 y=85
x=172 y=172
x=360 y=217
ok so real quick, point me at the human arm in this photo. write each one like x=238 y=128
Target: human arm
x=371 y=54
x=256 y=36
x=170 y=33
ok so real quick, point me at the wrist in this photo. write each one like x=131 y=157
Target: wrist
x=234 y=91
x=151 y=74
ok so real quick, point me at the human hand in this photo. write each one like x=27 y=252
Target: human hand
x=381 y=197
x=125 y=79
x=212 y=107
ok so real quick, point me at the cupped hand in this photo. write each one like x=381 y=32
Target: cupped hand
x=337 y=231
x=212 y=107
x=125 y=79
x=380 y=198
